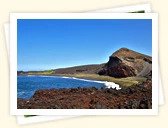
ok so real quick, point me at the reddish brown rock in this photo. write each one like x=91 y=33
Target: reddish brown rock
x=126 y=63
x=136 y=97
x=121 y=70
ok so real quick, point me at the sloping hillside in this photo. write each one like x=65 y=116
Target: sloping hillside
x=122 y=63
x=87 y=69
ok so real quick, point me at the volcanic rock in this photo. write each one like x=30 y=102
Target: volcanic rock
x=125 y=63
x=135 y=97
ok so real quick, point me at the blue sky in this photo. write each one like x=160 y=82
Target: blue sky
x=48 y=44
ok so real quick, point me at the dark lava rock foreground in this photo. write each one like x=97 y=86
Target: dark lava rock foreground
x=135 y=97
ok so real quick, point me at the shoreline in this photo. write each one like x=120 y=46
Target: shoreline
x=122 y=82
x=106 y=83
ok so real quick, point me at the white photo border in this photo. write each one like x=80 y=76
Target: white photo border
x=13 y=64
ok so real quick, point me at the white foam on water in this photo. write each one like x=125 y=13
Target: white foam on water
x=112 y=85
x=64 y=77
x=107 y=84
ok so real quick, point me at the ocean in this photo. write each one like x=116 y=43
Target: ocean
x=27 y=85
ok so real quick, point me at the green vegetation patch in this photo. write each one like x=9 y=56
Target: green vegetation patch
x=46 y=72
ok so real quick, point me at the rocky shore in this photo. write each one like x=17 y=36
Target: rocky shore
x=134 y=97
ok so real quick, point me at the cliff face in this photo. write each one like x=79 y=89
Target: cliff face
x=126 y=63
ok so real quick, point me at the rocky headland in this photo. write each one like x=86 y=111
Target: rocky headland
x=126 y=63
x=122 y=63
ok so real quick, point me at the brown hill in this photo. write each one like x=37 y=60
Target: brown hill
x=125 y=63
x=87 y=69
x=122 y=63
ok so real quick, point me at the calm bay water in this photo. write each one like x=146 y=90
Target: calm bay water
x=27 y=85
